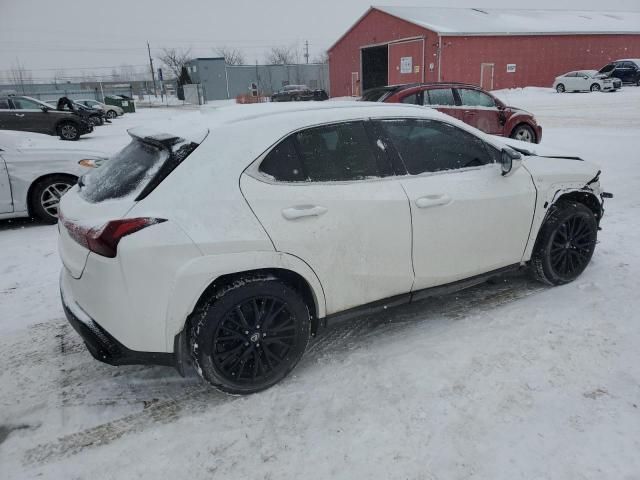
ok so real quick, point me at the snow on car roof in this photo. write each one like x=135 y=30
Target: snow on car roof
x=490 y=21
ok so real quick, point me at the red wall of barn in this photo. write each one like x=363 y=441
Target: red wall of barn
x=375 y=27
x=538 y=59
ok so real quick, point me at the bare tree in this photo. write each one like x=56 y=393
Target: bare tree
x=175 y=59
x=232 y=56
x=282 y=56
x=321 y=58
x=18 y=75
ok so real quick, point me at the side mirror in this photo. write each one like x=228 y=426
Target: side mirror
x=45 y=109
x=510 y=161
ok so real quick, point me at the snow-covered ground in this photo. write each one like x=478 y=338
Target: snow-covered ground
x=509 y=380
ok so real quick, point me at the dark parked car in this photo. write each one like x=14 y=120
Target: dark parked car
x=94 y=116
x=298 y=93
x=627 y=70
x=30 y=115
x=468 y=103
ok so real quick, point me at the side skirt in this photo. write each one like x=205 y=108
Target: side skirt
x=397 y=300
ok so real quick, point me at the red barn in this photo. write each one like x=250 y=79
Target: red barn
x=487 y=47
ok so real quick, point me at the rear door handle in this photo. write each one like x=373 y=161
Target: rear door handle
x=19 y=114
x=433 y=201
x=299 y=211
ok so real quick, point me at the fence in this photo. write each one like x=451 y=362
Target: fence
x=50 y=92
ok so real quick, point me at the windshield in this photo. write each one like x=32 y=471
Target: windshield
x=375 y=95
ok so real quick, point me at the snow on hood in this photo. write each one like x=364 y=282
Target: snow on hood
x=533 y=149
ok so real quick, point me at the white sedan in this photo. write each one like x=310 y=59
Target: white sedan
x=32 y=179
x=110 y=111
x=585 y=81
x=227 y=244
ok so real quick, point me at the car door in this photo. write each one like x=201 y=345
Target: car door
x=443 y=100
x=629 y=71
x=570 y=82
x=582 y=81
x=480 y=110
x=6 y=200
x=8 y=120
x=467 y=217
x=327 y=196
x=30 y=116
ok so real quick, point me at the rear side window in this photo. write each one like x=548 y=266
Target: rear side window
x=410 y=99
x=340 y=152
x=4 y=104
x=439 y=96
x=432 y=146
x=475 y=98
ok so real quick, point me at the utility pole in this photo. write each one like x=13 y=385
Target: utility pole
x=306 y=51
x=153 y=73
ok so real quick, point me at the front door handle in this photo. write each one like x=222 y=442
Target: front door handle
x=299 y=211
x=19 y=114
x=433 y=201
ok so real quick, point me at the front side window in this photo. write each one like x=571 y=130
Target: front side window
x=340 y=152
x=475 y=98
x=432 y=146
x=4 y=104
x=439 y=96
x=25 y=104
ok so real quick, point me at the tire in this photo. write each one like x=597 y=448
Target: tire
x=565 y=243
x=45 y=196
x=68 y=131
x=111 y=114
x=595 y=87
x=560 y=88
x=95 y=120
x=524 y=133
x=237 y=354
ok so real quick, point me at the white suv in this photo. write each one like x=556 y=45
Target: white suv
x=227 y=248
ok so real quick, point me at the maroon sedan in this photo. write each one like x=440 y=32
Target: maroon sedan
x=468 y=103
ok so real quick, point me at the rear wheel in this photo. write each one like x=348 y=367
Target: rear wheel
x=595 y=87
x=68 y=131
x=46 y=194
x=560 y=88
x=250 y=335
x=524 y=133
x=565 y=243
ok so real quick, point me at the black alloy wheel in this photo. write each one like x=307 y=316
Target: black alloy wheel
x=251 y=337
x=565 y=244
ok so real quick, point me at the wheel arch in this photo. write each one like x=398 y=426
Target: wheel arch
x=200 y=278
x=40 y=179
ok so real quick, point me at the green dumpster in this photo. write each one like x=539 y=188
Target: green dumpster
x=126 y=103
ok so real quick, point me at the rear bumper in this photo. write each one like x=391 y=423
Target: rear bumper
x=106 y=348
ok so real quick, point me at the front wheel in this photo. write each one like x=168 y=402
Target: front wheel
x=524 y=133
x=560 y=88
x=46 y=194
x=111 y=114
x=68 y=131
x=250 y=336
x=565 y=243
x=595 y=87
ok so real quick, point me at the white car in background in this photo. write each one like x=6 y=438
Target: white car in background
x=32 y=179
x=110 y=111
x=227 y=248
x=585 y=81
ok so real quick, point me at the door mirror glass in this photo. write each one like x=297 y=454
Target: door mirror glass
x=510 y=161
x=45 y=109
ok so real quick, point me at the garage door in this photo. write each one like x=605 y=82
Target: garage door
x=406 y=61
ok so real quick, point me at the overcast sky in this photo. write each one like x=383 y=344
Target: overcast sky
x=96 y=35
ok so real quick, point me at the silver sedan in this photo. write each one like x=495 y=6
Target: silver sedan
x=32 y=179
x=110 y=111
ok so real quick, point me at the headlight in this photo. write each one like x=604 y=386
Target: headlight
x=90 y=162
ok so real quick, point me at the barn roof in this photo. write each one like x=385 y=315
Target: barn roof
x=491 y=21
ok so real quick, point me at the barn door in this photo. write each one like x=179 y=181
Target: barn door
x=486 y=75
x=406 y=61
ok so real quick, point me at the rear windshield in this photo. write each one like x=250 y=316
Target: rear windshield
x=135 y=170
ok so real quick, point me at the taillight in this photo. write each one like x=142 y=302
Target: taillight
x=104 y=240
